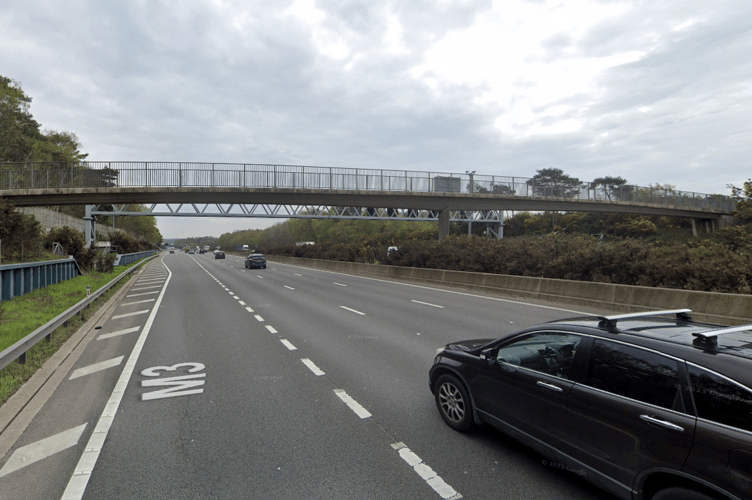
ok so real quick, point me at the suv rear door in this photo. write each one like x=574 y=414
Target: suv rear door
x=630 y=414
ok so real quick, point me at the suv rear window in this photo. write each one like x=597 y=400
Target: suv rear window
x=636 y=374
x=720 y=400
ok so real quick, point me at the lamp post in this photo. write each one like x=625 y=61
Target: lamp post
x=472 y=189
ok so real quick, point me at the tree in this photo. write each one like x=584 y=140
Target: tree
x=616 y=188
x=554 y=182
x=59 y=147
x=743 y=199
x=18 y=130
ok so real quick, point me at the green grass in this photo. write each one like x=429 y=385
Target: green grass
x=22 y=315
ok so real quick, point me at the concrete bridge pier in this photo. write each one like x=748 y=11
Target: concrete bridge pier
x=90 y=227
x=443 y=223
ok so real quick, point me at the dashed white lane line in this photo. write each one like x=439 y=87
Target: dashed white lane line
x=426 y=473
x=271 y=329
x=288 y=344
x=241 y=303
x=311 y=366
x=34 y=452
x=136 y=313
x=291 y=288
x=338 y=284
x=298 y=274
x=236 y=297
x=350 y=402
x=137 y=302
x=353 y=310
x=96 y=367
x=258 y=318
x=427 y=304
x=118 y=333
x=259 y=276
x=249 y=309
x=141 y=294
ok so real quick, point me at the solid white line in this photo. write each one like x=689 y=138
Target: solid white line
x=118 y=333
x=311 y=366
x=249 y=309
x=82 y=473
x=291 y=288
x=141 y=294
x=426 y=473
x=34 y=452
x=353 y=310
x=259 y=318
x=138 y=302
x=271 y=329
x=145 y=311
x=288 y=345
x=338 y=284
x=96 y=367
x=427 y=304
x=354 y=405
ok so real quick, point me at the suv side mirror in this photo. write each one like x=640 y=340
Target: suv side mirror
x=488 y=356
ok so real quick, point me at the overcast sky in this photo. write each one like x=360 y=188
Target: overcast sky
x=654 y=91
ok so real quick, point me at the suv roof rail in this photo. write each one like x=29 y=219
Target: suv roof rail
x=710 y=338
x=610 y=321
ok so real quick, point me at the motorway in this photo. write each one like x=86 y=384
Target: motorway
x=209 y=380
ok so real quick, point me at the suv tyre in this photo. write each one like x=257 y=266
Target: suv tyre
x=453 y=403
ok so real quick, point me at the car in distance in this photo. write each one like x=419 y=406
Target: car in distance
x=644 y=406
x=255 y=260
x=172 y=250
x=219 y=254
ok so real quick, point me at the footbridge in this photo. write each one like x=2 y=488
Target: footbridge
x=293 y=191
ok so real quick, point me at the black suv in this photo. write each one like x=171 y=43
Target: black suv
x=646 y=407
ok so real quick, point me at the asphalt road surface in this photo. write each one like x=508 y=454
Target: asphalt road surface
x=209 y=380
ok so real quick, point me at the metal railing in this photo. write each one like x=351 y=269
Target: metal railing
x=127 y=258
x=18 y=350
x=20 y=279
x=125 y=174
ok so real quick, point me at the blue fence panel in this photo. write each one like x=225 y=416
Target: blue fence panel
x=128 y=258
x=20 y=279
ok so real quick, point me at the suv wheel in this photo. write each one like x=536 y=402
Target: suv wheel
x=453 y=403
x=678 y=493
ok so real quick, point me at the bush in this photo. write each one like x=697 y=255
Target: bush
x=105 y=262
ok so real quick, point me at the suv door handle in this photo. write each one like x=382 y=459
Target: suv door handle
x=661 y=423
x=550 y=387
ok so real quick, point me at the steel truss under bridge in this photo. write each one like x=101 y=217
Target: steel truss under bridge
x=300 y=212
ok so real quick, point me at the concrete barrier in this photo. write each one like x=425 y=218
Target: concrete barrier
x=722 y=308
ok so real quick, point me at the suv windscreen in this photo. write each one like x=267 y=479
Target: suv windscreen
x=720 y=400
x=635 y=373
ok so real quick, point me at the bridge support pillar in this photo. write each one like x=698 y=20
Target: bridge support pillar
x=443 y=223
x=90 y=228
x=694 y=228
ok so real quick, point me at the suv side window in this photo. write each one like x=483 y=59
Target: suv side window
x=636 y=374
x=550 y=353
x=720 y=400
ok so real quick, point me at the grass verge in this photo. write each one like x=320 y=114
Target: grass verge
x=22 y=315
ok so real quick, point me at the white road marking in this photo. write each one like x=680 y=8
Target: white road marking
x=137 y=302
x=259 y=318
x=271 y=329
x=118 y=333
x=427 y=304
x=150 y=281
x=34 y=452
x=291 y=288
x=236 y=297
x=297 y=274
x=259 y=276
x=96 y=367
x=354 y=405
x=426 y=473
x=145 y=311
x=311 y=366
x=353 y=310
x=288 y=345
x=82 y=473
x=338 y=284
x=145 y=288
x=249 y=309
x=141 y=294
x=241 y=303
